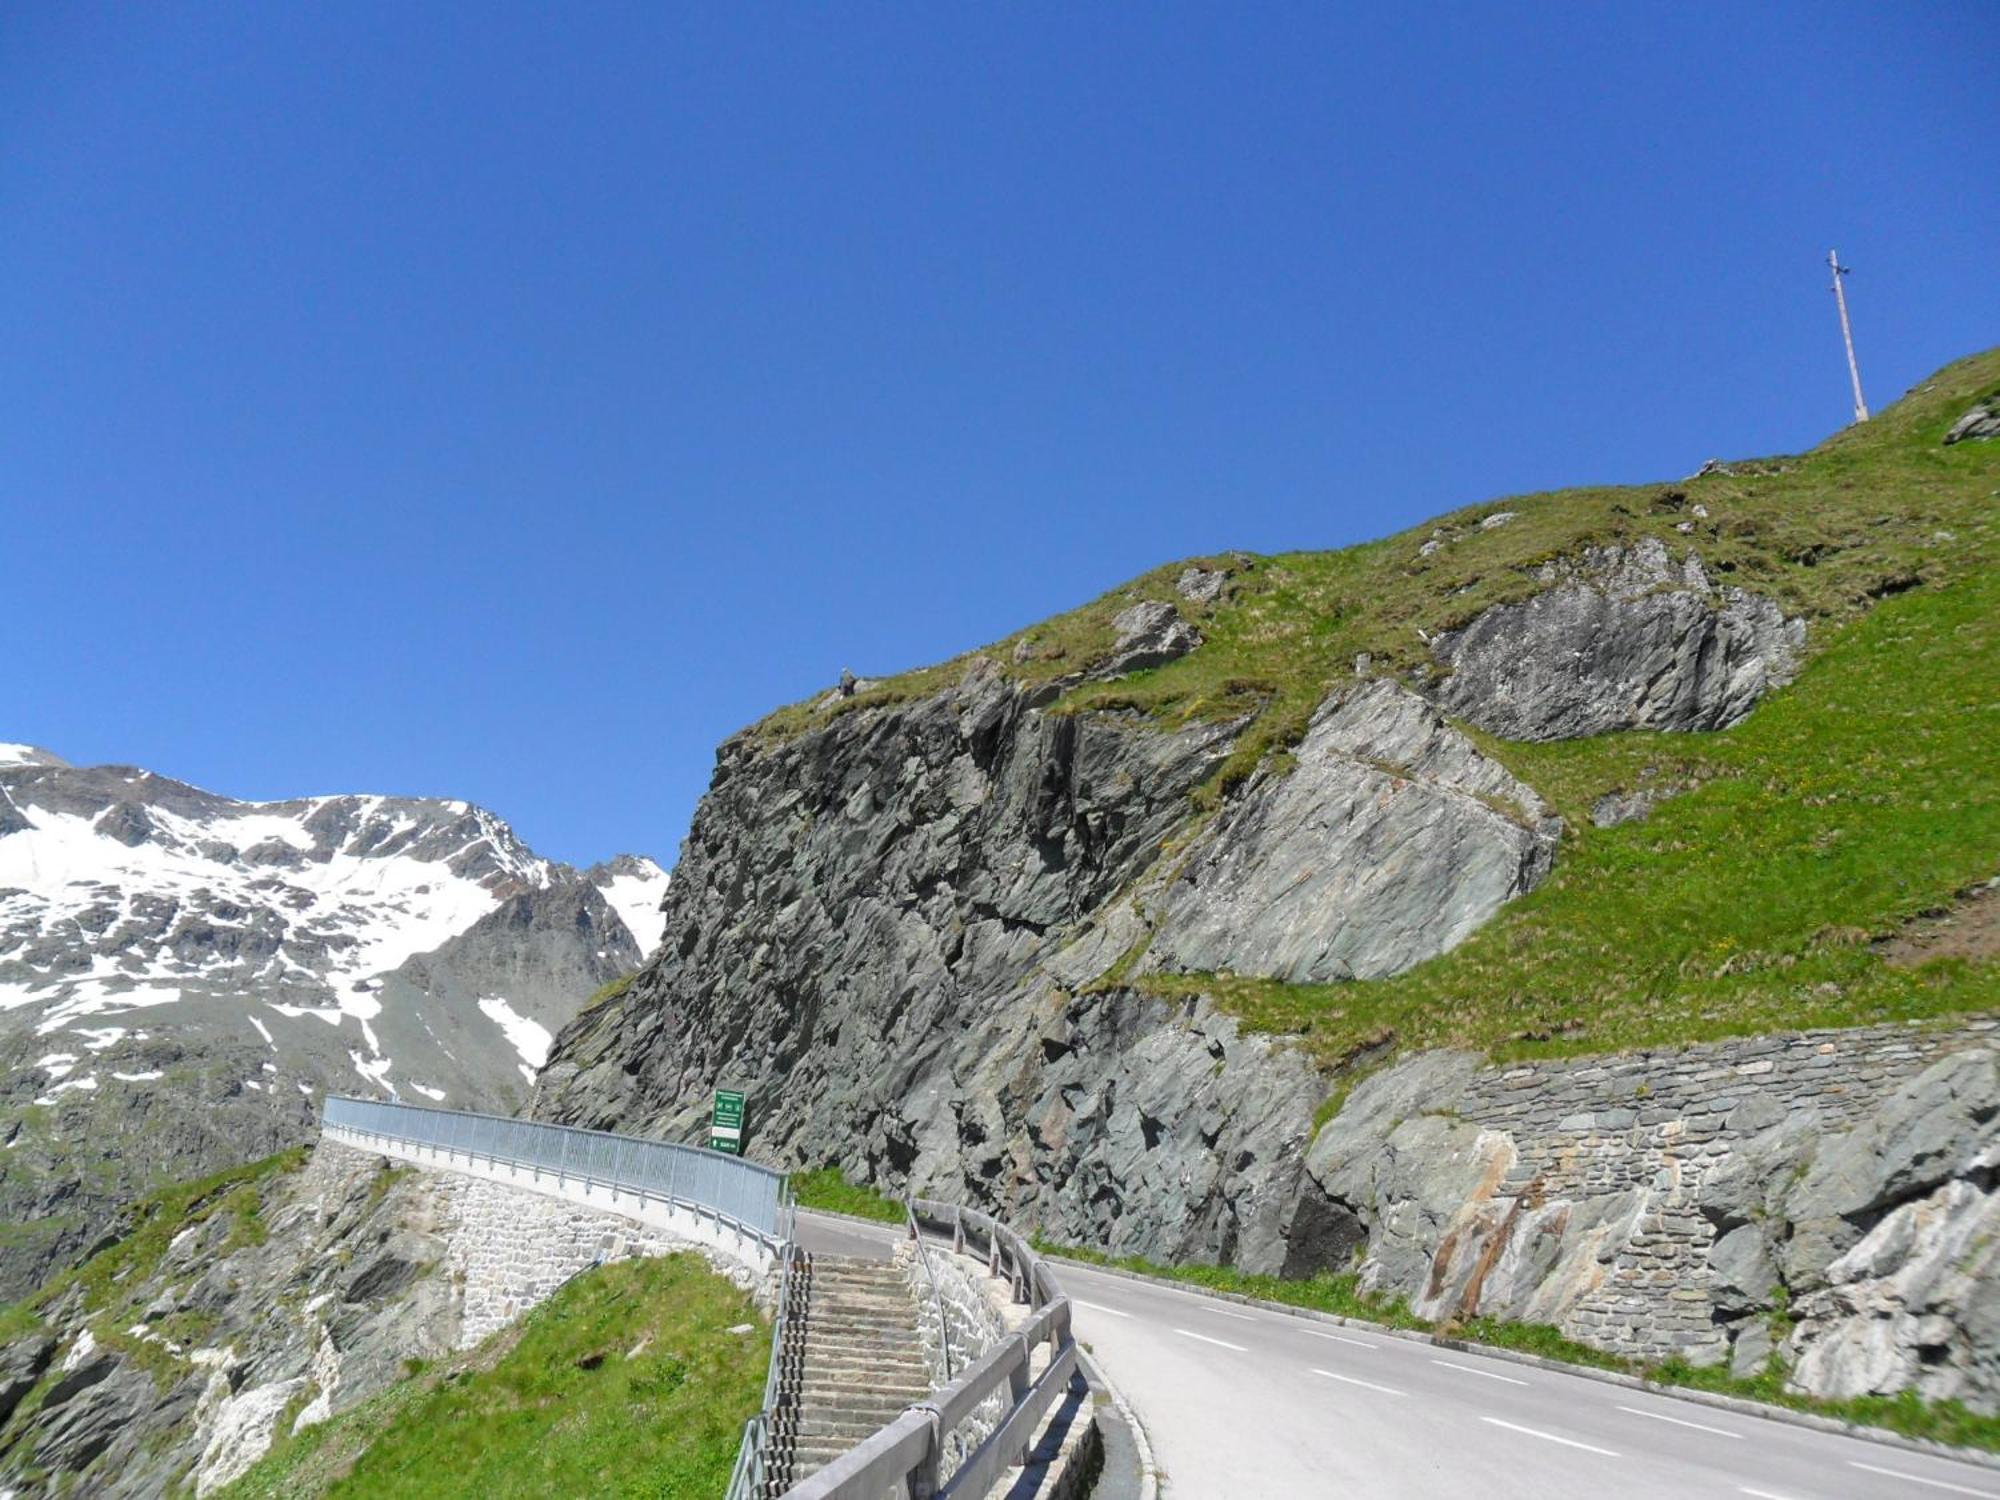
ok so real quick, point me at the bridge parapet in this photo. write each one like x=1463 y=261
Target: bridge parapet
x=721 y=1202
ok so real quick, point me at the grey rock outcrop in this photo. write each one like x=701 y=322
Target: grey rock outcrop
x=1620 y=639
x=1979 y=424
x=1390 y=840
x=1201 y=585
x=1150 y=634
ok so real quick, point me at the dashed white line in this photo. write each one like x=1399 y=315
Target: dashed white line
x=1475 y=1370
x=1936 y=1484
x=1340 y=1338
x=1761 y=1494
x=1240 y=1317
x=1350 y=1380
x=1659 y=1416
x=1207 y=1340
x=1100 y=1307
x=1549 y=1437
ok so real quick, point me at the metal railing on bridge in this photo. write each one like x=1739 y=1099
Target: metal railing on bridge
x=738 y=1193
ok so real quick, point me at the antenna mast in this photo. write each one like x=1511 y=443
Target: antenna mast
x=1847 y=333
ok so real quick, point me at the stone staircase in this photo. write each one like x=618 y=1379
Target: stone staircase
x=851 y=1362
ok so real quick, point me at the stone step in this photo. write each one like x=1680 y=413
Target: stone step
x=897 y=1396
x=850 y=1426
x=835 y=1312
x=859 y=1360
x=819 y=1302
x=825 y=1385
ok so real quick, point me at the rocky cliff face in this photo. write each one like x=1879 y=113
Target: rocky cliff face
x=877 y=928
x=904 y=932
x=182 y=976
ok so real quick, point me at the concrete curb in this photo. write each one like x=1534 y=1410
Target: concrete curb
x=1141 y=1477
x=1736 y=1404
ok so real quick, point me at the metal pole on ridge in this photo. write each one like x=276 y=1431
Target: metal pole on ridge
x=1847 y=333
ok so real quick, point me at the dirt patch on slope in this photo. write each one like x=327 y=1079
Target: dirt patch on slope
x=1970 y=928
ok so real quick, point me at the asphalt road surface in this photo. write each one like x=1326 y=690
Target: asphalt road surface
x=1244 y=1404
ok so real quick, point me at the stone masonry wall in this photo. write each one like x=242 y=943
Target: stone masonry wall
x=510 y=1249
x=1661 y=1203
x=1656 y=1124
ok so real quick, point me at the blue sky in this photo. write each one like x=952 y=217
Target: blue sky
x=509 y=402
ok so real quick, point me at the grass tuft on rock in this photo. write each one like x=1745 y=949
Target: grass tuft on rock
x=827 y=1189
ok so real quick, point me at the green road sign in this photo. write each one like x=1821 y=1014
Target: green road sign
x=725 y=1129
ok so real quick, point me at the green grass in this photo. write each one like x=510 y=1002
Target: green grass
x=1939 y=1421
x=625 y=1383
x=827 y=1189
x=610 y=990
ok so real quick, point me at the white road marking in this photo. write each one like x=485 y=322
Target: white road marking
x=1549 y=1437
x=1936 y=1484
x=1474 y=1370
x=1241 y=1317
x=1340 y=1338
x=1099 y=1307
x=1207 y=1340
x=1350 y=1380
x=1762 y=1494
x=1681 y=1422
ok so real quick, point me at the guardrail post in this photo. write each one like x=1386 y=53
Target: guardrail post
x=1018 y=1380
x=957 y=1230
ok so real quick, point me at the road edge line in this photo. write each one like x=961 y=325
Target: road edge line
x=1150 y=1486
x=1739 y=1405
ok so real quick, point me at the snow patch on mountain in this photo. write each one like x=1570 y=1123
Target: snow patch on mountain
x=529 y=1038
x=635 y=887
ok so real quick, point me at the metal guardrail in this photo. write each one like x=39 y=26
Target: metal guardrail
x=907 y=1456
x=749 y=1480
x=930 y=1275
x=741 y=1194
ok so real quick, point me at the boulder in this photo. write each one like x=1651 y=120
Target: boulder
x=1929 y=1131
x=1150 y=634
x=1977 y=425
x=1201 y=585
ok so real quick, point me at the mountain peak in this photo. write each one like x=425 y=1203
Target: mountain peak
x=27 y=755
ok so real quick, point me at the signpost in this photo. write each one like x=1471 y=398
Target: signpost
x=725 y=1129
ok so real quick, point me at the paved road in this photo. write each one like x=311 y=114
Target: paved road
x=1241 y=1403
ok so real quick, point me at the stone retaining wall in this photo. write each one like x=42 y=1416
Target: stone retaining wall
x=511 y=1248
x=1654 y=1124
x=1673 y=1202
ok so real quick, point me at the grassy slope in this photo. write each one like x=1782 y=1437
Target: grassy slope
x=626 y=1383
x=1856 y=799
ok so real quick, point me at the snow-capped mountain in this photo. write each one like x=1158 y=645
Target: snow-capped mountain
x=182 y=975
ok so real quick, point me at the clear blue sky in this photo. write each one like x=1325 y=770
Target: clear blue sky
x=510 y=402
